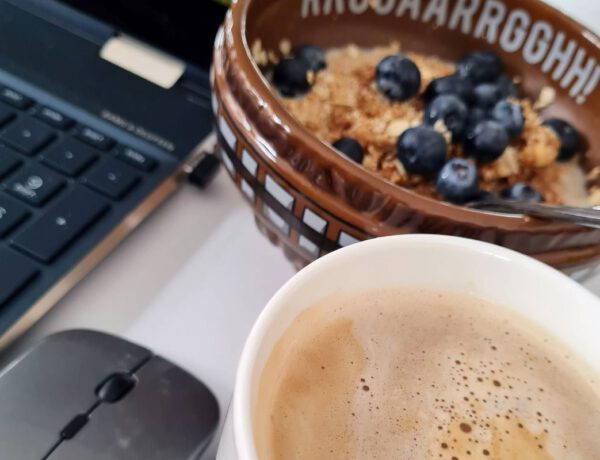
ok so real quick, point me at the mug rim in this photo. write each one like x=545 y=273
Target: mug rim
x=241 y=403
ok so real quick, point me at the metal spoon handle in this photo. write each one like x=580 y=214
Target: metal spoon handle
x=589 y=217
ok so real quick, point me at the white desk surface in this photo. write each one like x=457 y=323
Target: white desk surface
x=187 y=291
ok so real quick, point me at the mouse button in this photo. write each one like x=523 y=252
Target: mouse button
x=72 y=363
x=38 y=396
x=115 y=387
x=23 y=439
x=169 y=414
x=44 y=389
x=105 y=352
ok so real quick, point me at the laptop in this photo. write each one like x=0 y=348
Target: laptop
x=104 y=108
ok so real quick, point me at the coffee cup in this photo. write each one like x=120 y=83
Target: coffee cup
x=521 y=285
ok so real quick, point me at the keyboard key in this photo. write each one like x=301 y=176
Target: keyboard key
x=53 y=118
x=27 y=135
x=52 y=233
x=9 y=161
x=15 y=98
x=112 y=179
x=94 y=138
x=69 y=157
x=11 y=214
x=5 y=114
x=15 y=272
x=136 y=159
x=35 y=185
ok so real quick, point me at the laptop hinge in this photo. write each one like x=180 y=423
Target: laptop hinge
x=143 y=60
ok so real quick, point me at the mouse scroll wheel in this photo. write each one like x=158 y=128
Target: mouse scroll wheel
x=115 y=387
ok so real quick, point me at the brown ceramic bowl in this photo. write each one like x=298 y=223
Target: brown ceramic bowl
x=311 y=200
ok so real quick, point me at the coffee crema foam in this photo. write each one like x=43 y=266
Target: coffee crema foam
x=411 y=374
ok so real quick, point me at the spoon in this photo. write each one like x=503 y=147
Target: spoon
x=588 y=217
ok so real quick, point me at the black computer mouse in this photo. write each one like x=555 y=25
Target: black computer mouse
x=85 y=395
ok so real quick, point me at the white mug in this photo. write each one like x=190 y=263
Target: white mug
x=558 y=304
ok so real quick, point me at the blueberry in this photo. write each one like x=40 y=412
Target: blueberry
x=486 y=95
x=313 y=54
x=476 y=114
x=486 y=141
x=421 y=150
x=350 y=147
x=398 y=77
x=290 y=77
x=451 y=110
x=570 y=139
x=507 y=86
x=457 y=182
x=452 y=84
x=510 y=116
x=522 y=192
x=480 y=66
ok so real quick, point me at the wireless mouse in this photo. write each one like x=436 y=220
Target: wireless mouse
x=86 y=395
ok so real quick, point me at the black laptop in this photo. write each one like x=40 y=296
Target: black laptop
x=104 y=107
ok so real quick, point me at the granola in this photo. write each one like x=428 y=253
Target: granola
x=344 y=101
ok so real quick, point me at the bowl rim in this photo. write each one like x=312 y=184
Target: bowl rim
x=236 y=31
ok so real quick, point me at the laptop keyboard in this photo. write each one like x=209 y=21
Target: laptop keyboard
x=58 y=180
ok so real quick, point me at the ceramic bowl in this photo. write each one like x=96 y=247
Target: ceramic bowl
x=311 y=200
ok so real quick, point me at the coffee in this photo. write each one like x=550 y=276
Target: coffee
x=412 y=374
